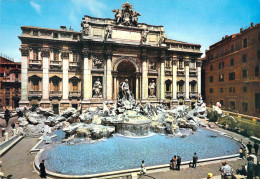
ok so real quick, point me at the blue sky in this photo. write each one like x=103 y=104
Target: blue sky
x=196 y=21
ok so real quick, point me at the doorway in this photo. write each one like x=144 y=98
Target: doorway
x=55 y=108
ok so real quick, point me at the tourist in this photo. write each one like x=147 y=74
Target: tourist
x=7 y=116
x=249 y=146
x=178 y=162
x=256 y=147
x=244 y=153
x=250 y=168
x=195 y=160
x=42 y=170
x=226 y=170
x=240 y=153
x=173 y=162
x=143 y=168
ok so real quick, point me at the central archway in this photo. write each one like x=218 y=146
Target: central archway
x=127 y=70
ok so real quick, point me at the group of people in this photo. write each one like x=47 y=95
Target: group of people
x=176 y=162
x=250 y=146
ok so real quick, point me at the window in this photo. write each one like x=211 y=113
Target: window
x=245 y=43
x=257 y=71
x=55 y=35
x=210 y=90
x=75 y=57
x=244 y=89
x=221 y=65
x=244 y=106
x=75 y=87
x=7 y=101
x=56 y=55
x=231 y=76
x=244 y=58
x=231 y=62
x=35 y=54
x=181 y=65
x=221 y=90
x=35 y=33
x=221 y=102
x=230 y=89
x=232 y=49
x=221 y=77
x=234 y=89
x=244 y=73
x=211 y=79
x=232 y=105
x=211 y=68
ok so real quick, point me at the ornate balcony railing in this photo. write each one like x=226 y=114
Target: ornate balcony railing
x=35 y=64
x=168 y=94
x=55 y=94
x=181 y=94
x=35 y=95
x=74 y=94
x=74 y=65
x=55 y=65
x=193 y=94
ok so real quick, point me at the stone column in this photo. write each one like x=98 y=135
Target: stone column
x=114 y=87
x=45 y=54
x=174 y=80
x=65 y=80
x=24 y=78
x=198 y=64
x=162 y=80
x=108 y=76
x=187 y=75
x=87 y=81
x=144 y=78
x=137 y=87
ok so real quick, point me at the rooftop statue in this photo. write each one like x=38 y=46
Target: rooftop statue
x=126 y=16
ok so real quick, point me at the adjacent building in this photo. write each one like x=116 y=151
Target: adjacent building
x=232 y=72
x=10 y=83
x=63 y=68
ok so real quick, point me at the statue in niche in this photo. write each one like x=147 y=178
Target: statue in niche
x=85 y=26
x=135 y=17
x=108 y=32
x=152 y=87
x=152 y=65
x=144 y=36
x=97 y=63
x=97 y=89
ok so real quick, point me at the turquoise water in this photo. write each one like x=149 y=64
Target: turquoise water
x=120 y=153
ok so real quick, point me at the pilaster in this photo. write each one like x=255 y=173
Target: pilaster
x=87 y=81
x=45 y=54
x=174 y=80
x=187 y=75
x=144 y=78
x=65 y=80
x=162 y=79
x=108 y=56
x=198 y=64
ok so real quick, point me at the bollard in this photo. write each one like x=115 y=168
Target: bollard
x=14 y=132
x=6 y=136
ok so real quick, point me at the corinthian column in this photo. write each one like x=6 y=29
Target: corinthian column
x=109 y=76
x=45 y=54
x=174 y=80
x=198 y=64
x=87 y=81
x=24 y=78
x=187 y=75
x=144 y=78
x=162 y=80
x=65 y=77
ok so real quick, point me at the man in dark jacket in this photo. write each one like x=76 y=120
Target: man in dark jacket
x=195 y=160
x=178 y=162
x=7 y=116
x=249 y=146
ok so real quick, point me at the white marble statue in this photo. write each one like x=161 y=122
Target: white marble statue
x=97 y=88
x=152 y=87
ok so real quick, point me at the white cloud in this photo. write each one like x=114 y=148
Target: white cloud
x=36 y=6
x=96 y=8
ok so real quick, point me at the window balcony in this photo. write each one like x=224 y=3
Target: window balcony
x=75 y=95
x=35 y=95
x=55 y=65
x=55 y=95
x=35 y=64
x=168 y=94
x=193 y=95
x=74 y=65
x=181 y=94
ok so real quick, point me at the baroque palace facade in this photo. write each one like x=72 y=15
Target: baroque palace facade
x=63 y=68
x=232 y=72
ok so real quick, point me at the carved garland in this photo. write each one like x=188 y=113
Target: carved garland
x=64 y=55
x=86 y=53
x=45 y=53
x=24 y=51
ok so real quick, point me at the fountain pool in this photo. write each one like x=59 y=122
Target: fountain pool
x=121 y=153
